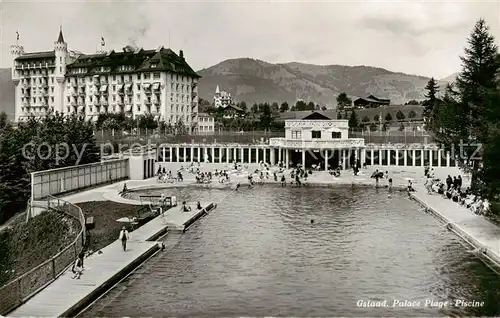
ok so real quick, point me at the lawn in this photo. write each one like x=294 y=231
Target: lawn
x=105 y=214
x=24 y=246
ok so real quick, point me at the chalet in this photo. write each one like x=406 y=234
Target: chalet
x=371 y=102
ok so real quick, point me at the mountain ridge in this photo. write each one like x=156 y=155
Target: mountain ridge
x=250 y=80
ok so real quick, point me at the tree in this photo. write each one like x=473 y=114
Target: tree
x=388 y=117
x=353 y=120
x=300 y=105
x=373 y=127
x=469 y=112
x=343 y=101
x=411 y=115
x=275 y=107
x=402 y=127
x=17 y=161
x=339 y=115
x=266 y=119
x=255 y=108
x=284 y=107
x=323 y=108
x=310 y=106
x=400 y=116
x=376 y=118
x=431 y=102
x=366 y=119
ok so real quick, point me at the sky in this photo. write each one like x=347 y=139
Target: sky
x=423 y=38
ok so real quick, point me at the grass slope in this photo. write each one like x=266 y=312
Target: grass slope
x=24 y=246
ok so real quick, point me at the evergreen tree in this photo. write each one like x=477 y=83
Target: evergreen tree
x=432 y=89
x=470 y=111
x=353 y=120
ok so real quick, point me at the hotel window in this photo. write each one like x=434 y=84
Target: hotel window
x=316 y=134
x=114 y=87
x=114 y=77
x=296 y=134
x=156 y=75
x=336 y=135
x=147 y=76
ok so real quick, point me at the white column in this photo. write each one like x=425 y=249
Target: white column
x=234 y=155
x=213 y=154
x=279 y=155
x=348 y=158
x=447 y=159
x=379 y=157
x=363 y=157
x=164 y=153
x=405 y=158
x=241 y=154
x=199 y=154
x=191 y=154
x=303 y=158
x=343 y=157
x=413 y=157
x=257 y=155
x=430 y=158
x=171 y=154
x=326 y=159
x=440 y=154
x=227 y=154
x=177 y=153
x=286 y=158
x=397 y=157
x=273 y=161
x=372 y=159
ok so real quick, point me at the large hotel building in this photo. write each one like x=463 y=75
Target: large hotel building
x=136 y=82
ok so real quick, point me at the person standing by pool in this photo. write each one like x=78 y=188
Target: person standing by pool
x=124 y=238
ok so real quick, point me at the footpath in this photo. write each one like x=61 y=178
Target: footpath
x=66 y=297
x=478 y=231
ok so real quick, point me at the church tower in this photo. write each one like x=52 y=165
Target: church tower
x=61 y=55
x=16 y=51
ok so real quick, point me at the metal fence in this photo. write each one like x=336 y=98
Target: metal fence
x=68 y=179
x=393 y=137
x=143 y=137
x=27 y=285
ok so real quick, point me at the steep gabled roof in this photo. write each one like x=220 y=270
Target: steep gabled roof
x=140 y=61
x=316 y=116
x=60 y=39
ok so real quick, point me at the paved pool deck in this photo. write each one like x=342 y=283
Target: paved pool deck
x=66 y=297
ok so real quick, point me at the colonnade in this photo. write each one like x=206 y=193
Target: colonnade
x=382 y=156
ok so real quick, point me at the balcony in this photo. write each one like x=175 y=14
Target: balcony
x=96 y=83
x=104 y=82
x=45 y=94
x=81 y=93
x=156 y=101
x=317 y=144
x=104 y=93
x=81 y=85
x=119 y=101
x=147 y=102
x=96 y=92
x=26 y=85
x=73 y=103
x=44 y=103
x=96 y=102
x=26 y=104
x=194 y=84
x=75 y=85
x=194 y=94
x=81 y=103
x=104 y=102
x=129 y=92
x=194 y=114
x=26 y=93
x=74 y=94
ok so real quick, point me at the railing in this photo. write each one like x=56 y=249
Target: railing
x=27 y=285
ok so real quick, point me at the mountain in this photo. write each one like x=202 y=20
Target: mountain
x=6 y=92
x=255 y=81
x=451 y=78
